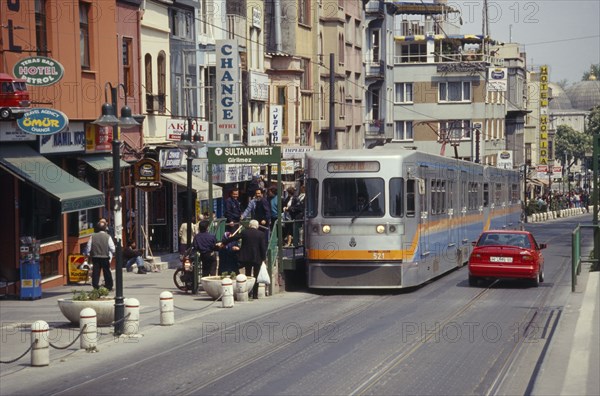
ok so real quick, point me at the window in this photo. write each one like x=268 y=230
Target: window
x=162 y=81
x=358 y=34
x=438 y=196
x=408 y=53
x=348 y=29
x=127 y=65
x=84 y=35
x=473 y=196
x=455 y=130
x=341 y=48
x=454 y=91
x=312 y=197
x=396 y=197
x=514 y=193
x=305 y=80
x=304 y=12
x=403 y=130
x=486 y=195
x=41 y=37
x=404 y=93
x=410 y=198
x=375 y=46
x=498 y=195
x=342 y=103
x=342 y=197
x=182 y=24
x=375 y=104
x=203 y=18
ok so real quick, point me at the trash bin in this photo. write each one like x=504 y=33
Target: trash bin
x=29 y=263
x=31 y=279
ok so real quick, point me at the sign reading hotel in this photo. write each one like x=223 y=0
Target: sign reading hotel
x=543 y=115
x=228 y=82
x=244 y=155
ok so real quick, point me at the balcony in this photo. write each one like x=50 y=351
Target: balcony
x=155 y=103
x=374 y=69
x=374 y=127
x=374 y=6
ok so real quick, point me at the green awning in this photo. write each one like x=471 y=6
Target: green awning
x=29 y=166
x=102 y=162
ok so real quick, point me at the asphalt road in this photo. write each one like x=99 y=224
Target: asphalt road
x=444 y=338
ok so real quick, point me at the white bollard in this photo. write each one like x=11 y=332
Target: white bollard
x=40 y=351
x=167 y=313
x=227 y=297
x=89 y=335
x=132 y=316
x=241 y=293
x=262 y=293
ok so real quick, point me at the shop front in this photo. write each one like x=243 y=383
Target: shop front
x=45 y=202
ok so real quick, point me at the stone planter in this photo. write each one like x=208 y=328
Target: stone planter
x=212 y=285
x=105 y=309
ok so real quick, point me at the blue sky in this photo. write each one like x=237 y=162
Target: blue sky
x=564 y=34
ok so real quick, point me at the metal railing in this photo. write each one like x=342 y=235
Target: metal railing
x=576 y=259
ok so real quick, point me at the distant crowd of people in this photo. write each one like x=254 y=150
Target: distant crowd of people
x=559 y=200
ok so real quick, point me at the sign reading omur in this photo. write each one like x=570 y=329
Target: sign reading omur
x=39 y=70
x=41 y=121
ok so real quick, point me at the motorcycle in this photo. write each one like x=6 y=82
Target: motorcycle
x=184 y=275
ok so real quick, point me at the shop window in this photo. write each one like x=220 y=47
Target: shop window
x=42 y=221
x=49 y=264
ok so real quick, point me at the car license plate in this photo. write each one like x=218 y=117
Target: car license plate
x=495 y=259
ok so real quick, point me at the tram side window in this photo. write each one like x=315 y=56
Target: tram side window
x=498 y=194
x=410 y=198
x=396 y=196
x=438 y=196
x=473 y=195
x=514 y=193
x=486 y=195
x=312 y=197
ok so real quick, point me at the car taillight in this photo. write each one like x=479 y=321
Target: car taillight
x=527 y=258
x=476 y=255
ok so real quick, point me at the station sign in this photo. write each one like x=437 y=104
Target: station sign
x=244 y=155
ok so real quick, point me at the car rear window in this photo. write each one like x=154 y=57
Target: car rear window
x=518 y=240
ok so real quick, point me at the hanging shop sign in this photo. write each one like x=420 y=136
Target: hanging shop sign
x=228 y=92
x=146 y=174
x=177 y=126
x=41 y=121
x=39 y=70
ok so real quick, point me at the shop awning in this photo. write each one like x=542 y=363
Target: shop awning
x=199 y=185
x=29 y=166
x=102 y=162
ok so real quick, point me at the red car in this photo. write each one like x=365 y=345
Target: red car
x=507 y=254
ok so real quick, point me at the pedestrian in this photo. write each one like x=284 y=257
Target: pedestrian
x=184 y=244
x=228 y=255
x=233 y=211
x=253 y=251
x=205 y=244
x=289 y=204
x=134 y=257
x=100 y=249
x=273 y=203
x=258 y=209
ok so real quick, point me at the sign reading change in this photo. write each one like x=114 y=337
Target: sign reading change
x=244 y=155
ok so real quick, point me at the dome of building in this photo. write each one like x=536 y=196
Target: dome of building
x=560 y=99
x=584 y=95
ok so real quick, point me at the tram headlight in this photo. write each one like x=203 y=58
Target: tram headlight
x=326 y=229
x=380 y=229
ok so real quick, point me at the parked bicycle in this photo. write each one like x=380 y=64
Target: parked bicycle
x=184 y=275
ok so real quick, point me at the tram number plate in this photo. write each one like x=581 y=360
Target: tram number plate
x=494 y=259
x=378 y=255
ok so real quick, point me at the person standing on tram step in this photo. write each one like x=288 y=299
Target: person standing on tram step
x=100 y=249
x=253 y=251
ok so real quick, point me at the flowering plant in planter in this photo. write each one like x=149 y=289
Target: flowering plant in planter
x=94 y=294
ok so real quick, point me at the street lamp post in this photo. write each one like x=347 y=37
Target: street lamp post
x=126 y=121
x=550 y=165
x=189 y=142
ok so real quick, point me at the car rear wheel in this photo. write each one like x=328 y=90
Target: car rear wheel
x=535 y=282
x=541 y=276
x=473 y=280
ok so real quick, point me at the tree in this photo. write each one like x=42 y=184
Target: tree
x=594 y=71
x=571 y=144
x=593 y=122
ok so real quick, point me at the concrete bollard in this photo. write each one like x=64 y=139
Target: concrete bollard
x=227 y=297
x=89 y=335
x=167 y=313
x=241 y=292
x=132 y=316
x=262 y=293
x=40 y=351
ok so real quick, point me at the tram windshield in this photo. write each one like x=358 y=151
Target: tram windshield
x=361 y=197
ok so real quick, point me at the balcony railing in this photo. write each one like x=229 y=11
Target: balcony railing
x=374 y=69
x=374 y=127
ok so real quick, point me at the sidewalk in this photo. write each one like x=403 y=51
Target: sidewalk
x=16 y=315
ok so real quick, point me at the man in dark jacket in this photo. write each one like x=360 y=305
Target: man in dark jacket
x=253 y=251
x=101 y=248
x=233 y=211
x=205 y=244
